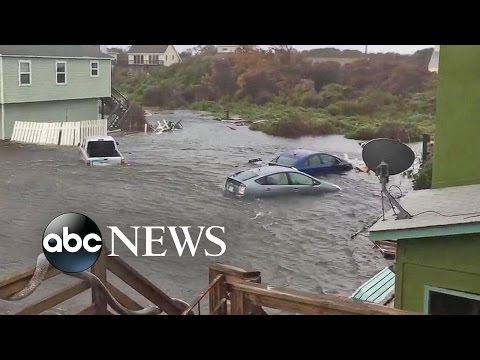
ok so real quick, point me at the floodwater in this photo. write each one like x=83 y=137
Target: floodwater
x=177 y=179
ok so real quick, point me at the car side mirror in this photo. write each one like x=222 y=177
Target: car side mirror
x=117 y=142
x=78 y=144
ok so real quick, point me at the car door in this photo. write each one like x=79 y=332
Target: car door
x=329 y=162
x=276 y=184
x=313 y=164
x=300 y=183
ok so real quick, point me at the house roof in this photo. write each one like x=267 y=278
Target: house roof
x=435 y=212
x=148 y=49
x=377 y=290
x=63 y=51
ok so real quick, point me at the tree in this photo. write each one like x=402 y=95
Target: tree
x=283 y=53
x=205 y=50
x=223 y=78
x=186 y=53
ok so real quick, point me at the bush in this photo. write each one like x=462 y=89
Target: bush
x=362 y=133
x=406 y=133
x=423 y=180
x=135 y=119
x=296 y=126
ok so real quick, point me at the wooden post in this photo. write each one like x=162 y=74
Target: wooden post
x=232 y=275
x=426 y=141
x=237 y=303
x=216 y=295
x=99 y=269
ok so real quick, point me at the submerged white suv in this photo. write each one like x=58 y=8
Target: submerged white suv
x=101 y=151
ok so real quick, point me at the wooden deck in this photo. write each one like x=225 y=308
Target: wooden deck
x=230 y=291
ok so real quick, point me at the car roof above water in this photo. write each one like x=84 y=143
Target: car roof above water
x=299 y=153
x=268 y=170
x=99 y=138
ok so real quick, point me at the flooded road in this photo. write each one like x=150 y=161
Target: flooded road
x=177 y=179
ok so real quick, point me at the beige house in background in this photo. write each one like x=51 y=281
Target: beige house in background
x=165 y=55
x=227 y=48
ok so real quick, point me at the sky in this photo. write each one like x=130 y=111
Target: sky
x=402 y=49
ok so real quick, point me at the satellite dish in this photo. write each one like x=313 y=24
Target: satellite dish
x=388 y=157
x=398 y=156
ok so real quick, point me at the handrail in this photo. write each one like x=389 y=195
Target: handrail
x=120 y=94
x=306 y=303
x=196 y=301
x=103 y=292
x=242 y=293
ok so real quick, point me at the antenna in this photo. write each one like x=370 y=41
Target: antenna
x=388 y=157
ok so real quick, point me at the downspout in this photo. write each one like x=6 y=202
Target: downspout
x=2 y=100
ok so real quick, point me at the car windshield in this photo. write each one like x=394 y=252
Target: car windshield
x=102 y=149
x=247 y=175
x=286 y=161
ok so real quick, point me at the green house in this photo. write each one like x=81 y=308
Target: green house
x=437 y=269
x=51 y=83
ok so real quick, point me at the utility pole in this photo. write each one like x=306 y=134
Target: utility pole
x=366 y=49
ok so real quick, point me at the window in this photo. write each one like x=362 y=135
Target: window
x=166 y=57
x=25 y=72
x=277 y=179
x=138 y=59
x=247 y=175
x=328 y=159
x=156 y=60
x=94 y=68
x=102 y=149
x=314 y=160
x=299 y=179
x=262 y=181
x=449 y=302
x=61 y=72
x=286 y=161
x=173 y=57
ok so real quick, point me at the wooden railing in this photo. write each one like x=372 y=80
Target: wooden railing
x=13 y=283
x=240 y=292
x=231 y=291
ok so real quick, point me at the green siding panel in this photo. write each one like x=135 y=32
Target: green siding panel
x=50 y=111
x=420 y=276
x=80 y=84
x=457 y=148
x=451 y=262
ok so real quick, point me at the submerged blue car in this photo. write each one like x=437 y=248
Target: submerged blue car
x=312 y=162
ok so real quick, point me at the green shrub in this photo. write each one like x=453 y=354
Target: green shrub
x=423 y=180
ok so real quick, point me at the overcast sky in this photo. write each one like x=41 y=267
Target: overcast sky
x=402 y=49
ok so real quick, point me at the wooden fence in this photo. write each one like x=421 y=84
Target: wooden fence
x=57 y=133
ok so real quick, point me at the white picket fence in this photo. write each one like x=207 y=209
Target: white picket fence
x=59 y=133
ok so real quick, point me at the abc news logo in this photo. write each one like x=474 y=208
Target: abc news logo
x=72 y=242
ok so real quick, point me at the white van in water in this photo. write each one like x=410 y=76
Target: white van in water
x=101 y=151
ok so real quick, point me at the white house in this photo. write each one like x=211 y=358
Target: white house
x=153 y=55
x=227 y=48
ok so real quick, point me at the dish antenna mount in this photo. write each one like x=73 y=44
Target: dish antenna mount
x=388 y=157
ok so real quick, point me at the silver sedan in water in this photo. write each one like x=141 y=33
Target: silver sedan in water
x=275 y=181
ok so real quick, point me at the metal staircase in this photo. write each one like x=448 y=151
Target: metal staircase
x=119 y=106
